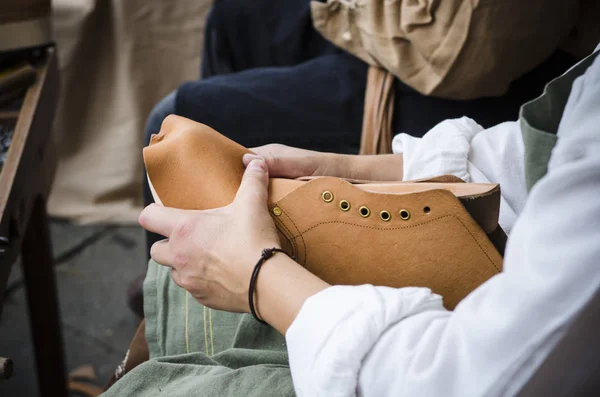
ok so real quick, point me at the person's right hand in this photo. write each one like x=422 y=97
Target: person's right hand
x=289 y=162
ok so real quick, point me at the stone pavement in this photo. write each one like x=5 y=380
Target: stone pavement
x=94 y=267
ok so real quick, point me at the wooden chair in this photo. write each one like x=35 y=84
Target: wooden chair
x=25 y=181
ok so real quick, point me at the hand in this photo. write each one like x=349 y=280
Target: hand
x=212 y=253
x=289 y=162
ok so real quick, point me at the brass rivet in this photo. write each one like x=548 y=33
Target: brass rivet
x=385 y=216
x=364 y=211
x=327 y=196
x=276 y=211
x=344 y=205
x=404 y=214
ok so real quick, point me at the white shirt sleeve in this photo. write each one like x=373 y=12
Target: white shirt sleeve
x=380 y=342
x=463 y=148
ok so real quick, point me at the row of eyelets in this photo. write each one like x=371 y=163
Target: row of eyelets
x=364 y=211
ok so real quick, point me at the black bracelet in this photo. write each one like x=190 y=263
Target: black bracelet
x=266 y=254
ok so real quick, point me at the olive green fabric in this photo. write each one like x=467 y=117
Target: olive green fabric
x=540 y=118
x=229 y=354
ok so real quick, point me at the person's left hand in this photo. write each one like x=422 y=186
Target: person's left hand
x=212 y=253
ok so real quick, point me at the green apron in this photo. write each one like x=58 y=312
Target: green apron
x=221 y=354
x=540 y=118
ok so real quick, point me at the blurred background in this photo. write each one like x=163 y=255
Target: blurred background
x=116 y=59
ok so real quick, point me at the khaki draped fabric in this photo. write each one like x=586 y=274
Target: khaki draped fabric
x=117 y=59
x=458 y=49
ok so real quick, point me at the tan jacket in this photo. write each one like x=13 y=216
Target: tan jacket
x=459 y=49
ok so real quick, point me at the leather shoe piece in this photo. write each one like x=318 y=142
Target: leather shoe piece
x=436 y=233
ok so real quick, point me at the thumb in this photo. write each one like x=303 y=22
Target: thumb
x=254 y=188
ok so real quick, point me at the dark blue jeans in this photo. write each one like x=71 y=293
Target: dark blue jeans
x=268 y=76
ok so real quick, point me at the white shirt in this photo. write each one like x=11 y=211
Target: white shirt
x=379 y=341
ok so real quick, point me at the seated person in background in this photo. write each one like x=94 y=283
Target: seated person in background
x=270 y=76
x=378 y=341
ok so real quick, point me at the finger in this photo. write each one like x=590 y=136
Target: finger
x=279 y=163
x=284 y=161
x=158 y=219
x=253 y=190
x=277 y=149
x=161 y=253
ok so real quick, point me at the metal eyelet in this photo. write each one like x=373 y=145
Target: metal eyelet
x=385 y=216
x=364 y=211
x=276 y=211
x=404 y=214
x=345 y=205
x=327 y=196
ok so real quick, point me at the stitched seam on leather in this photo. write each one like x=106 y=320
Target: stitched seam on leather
x=375 y=227
x=288 y=234
x=297 y=228
x=292 y=239
x=477 y=242
x=279 y=224
x=403 y=227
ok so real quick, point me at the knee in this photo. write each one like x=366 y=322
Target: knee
x=162 y=109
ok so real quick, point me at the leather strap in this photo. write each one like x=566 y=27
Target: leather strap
x=378 y=112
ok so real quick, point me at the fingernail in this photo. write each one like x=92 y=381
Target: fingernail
x=257 y=165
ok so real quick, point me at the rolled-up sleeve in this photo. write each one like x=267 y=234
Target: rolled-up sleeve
x=443 y=150
x=323 y=368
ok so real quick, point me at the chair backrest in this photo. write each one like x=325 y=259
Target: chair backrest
x=573 y=367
